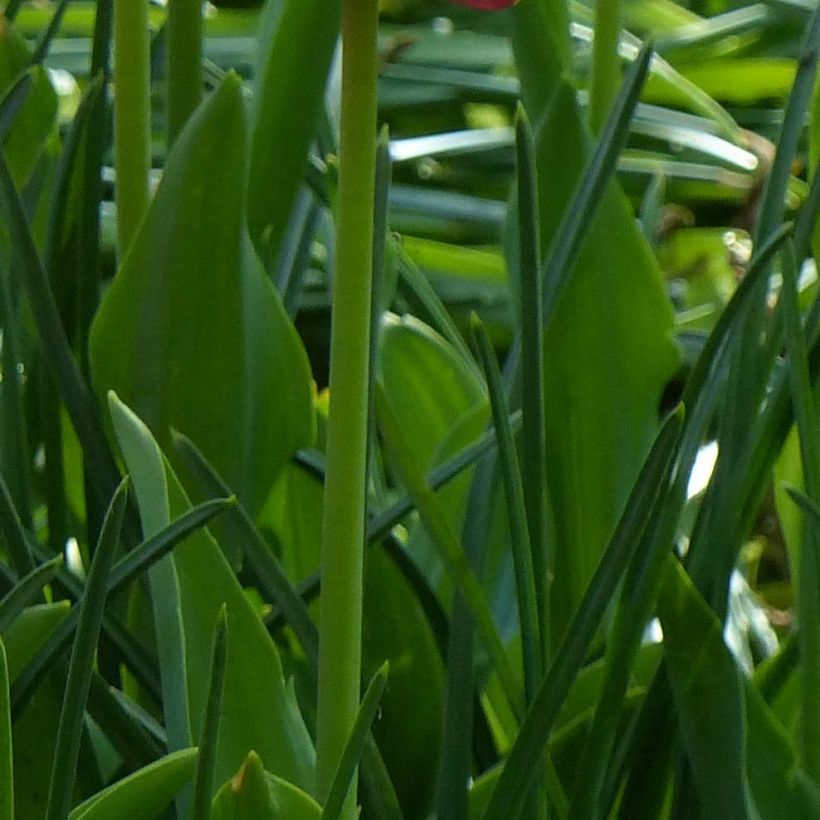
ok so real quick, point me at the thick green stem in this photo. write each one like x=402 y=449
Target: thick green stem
x=605 y=79
x=132 y=116
x=185 y=30
x=343 y=522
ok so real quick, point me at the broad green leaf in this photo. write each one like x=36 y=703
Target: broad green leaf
x=264 y=714
x=608 y=352
x=288 y=99
x=142 y=795
x=708 y=694
x=429 y=384
x=394 y=628
x=29 y=631
x=191 y=334
x=37 y=117
x=779 y=787
x=35 y=728
x=427 y=380
x=254 y=794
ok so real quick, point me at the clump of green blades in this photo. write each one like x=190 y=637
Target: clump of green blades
x=472 y=579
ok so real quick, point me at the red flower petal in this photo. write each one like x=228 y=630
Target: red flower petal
x=486 y=5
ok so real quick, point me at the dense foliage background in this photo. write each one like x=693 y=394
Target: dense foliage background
x=592 y=453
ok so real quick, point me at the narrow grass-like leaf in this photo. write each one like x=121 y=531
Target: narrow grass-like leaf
x=101 y=39
x=599 y=171
x=380 y=525
x=13 y=424
x=14 y=427
x=123 y=727
x=263 y=716
x=806 y=220
x=6 y=756
x=12 y=103
x=78 y=398
x=41 y=51
x=605 y=70
x=26 y=590
x=808 y=586
x=15 y=536
x=517 y=515
x=277 y=588
x=261 y=561
x=354 y=747
x=774 y=196
x=204 y=778
x=145 y=464
x=533 y=466
x=446 y=541
x=421 y=289
x=139 y=560
x=152 y=549
x=460 y=708
x=67 y=745
x=521 y=766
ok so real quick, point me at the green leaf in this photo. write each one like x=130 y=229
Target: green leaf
x=394 y=628
x=264 y=715
x=254 y=794
x=191 y=334
x=779 y=787
x=145 y=465
x=447 y=543
x=36 y=727
x=808 y=590
x=516 y=510
x=204 y=781
x=6 y=756
x=25 y=590
x=142 y=795
x=603 y=377
x=37 y=117
x=521 y=766
x=708 y=693
x=427 y=379
x=78 y=681
x=352 y=753
x=288 y=100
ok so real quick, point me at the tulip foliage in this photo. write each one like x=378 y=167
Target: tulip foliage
x=428 y=432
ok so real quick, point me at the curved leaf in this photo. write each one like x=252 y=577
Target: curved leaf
x=263 y=712
x=287 y=104
x=142 y=795
x=191 y=333
x=254 y=794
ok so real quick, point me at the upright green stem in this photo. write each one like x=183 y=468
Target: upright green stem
x=185 y=30
x=605 y=78
x=132 y=116
x=343 y=522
